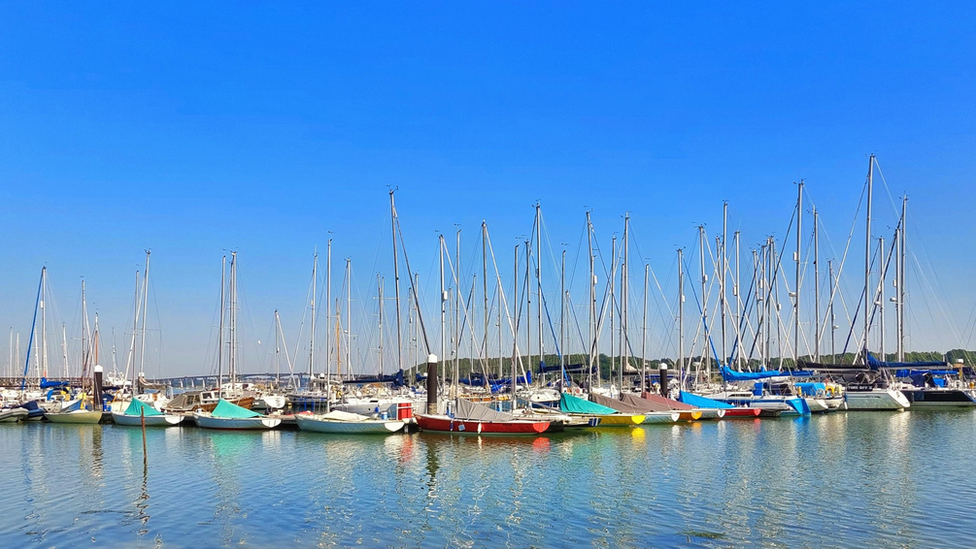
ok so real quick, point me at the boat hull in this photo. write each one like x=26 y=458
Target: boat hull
x=164 y=420
x=12 y=415
x=744 y=413
x=661 y=417
x=940 y=398
x=207 y=421
x=87 y=417
x=877 y=399
x=445 y=424
x=368 y=427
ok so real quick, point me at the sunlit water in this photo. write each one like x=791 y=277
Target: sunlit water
x=844 y=480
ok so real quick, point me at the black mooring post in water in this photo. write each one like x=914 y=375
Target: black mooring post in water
x=97 y=389
x=664 y=379
x=431 y=384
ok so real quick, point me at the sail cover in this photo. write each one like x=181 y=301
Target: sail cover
x=139 y=408
x=618 y=405
x=232 y=411
x=575 y=405
x=664 y=404
x=472 y=411
x=702 y=402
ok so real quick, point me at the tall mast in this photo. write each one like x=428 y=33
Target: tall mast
x=538 y=278
x=440 y=258
x=681 y=319
x=328 y=308
x=130 y=361
x=43 y=351
x=613 y=308
x=592 y=322
x=528 y=305
x=396 y=281
x=901 y=279
x=736 y=291
x=647 y=268
x=233 y=320
x=220 y=329
x=882 y=272
x=516 y=308
x=484 y=289
x=278 y=347
x=562 y=321
x=625 y=297
x=722 y=271
x=867 y=261
x=704 y=303
x=349 y=315
x=796 y=261
x=833 y=319
x=145 y=307
x=85 y=338
x=311 y=346
x=816 y=284
x=457 y=310
x=379 y=291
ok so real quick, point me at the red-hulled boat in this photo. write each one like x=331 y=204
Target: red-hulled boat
x=742 y=412
x=475 y=419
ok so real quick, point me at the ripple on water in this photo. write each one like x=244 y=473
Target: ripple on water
x=843 y=480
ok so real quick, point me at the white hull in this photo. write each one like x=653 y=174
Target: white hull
x=878 y=399
x=164 y=420
x=816 y=405
x=12 y=415
x=88 y=417
x=661 y=417
x=319 y=424
x=207 y=421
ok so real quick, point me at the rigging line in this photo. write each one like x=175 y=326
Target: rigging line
x=416 y=298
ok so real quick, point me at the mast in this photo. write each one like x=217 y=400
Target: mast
x=440 y=258
x=704 y=304
x=736 y=291
x=43 y=351
x=349 y=315
x=311 y=345
x=484 y=290
x=867 y=260
x=278 y=348
x=516 y=308
x=457 y=311
x=379 y=291
x=613 y=309
x=328 y=309
x=796 y=261
x=396 y=281
x=882 y=272
x=220 y=330
x=562 y=321
x=145 y=306
x=85 y=338
x=681 y=320
x=130 y=361
x=592 y=322
x=625 y=297
x=232 y=355
x=647 y=268
x=538 y=278
x=833 y=319
x=816 y=284
x=901 y=279
x=528 y=306
x=723 y=270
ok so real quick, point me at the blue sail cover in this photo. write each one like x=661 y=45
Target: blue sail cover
x=702 y=402
x=728 y=374
x=875 y=364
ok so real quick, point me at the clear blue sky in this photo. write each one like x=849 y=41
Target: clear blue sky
x=195 y=128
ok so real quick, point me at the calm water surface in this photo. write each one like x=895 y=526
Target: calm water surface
x=870 y=479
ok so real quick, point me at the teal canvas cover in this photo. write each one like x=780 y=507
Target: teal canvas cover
x=232 y=411
x=140 y=408
x=575 y=405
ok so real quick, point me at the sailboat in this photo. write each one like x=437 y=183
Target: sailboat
x=227 y=415
x=338 y=421
x=477 y=419
x=84 y=409
x=139 y=413
x=574 y=406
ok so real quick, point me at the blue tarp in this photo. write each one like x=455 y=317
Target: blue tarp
x=702 y=402
x=875 y=364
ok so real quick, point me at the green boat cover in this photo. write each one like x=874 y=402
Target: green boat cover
x=575 y=405
x=232 y=411
x=140 y=408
